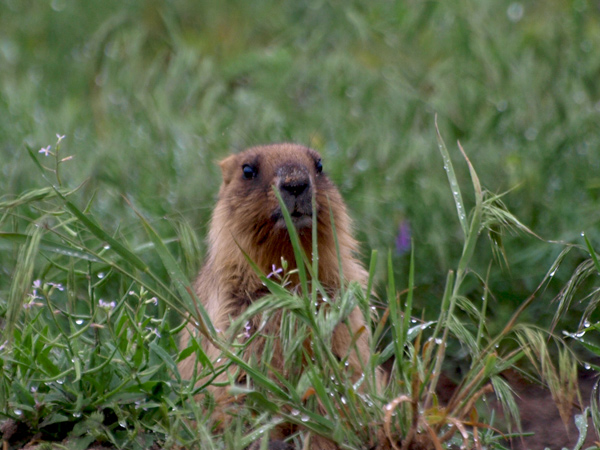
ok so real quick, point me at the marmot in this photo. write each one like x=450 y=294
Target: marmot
x=248 y=217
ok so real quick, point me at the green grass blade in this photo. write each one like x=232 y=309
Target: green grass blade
x=49 y=246
x=119 y=248
x=395 y=317
x=372 y=267
x=481 y=326
x=592 y=252
x=456 y=194
x=182 y=284
x=22 y=280
x=409 y=295
x=298 y=252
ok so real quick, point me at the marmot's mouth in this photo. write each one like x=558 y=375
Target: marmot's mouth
x=299 y=219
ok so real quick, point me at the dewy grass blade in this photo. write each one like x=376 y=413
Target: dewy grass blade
x=460 y=206
x=46 y=245
x=119 y=248
x=592 y=252
x=475 y=226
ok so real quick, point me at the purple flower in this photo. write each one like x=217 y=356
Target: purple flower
x=275 y=272
x=403 y=238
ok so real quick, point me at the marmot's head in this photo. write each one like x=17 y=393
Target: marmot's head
x=248 y=204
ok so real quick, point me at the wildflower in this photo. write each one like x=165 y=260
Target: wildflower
x=247 y=329
x=107 y=305
x=275 y=271
x=404 y=237
x=37 y=284
x=31 y=303
x=58 y=286
x=46 y=151
x=153 y=331
x=59 y=137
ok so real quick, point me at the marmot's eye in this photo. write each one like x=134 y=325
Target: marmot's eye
x=249 y=171
x=319 y=166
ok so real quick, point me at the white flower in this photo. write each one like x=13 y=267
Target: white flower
x=107 y=305
x=45 y=151
x=60 y=138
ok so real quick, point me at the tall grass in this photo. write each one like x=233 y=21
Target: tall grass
x=90 y=351
x=148 y=88
x=150 y=94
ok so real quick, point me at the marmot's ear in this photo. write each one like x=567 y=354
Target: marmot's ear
x=227 y=168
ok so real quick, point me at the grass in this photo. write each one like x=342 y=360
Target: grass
x=90 y=348
x=150 y=95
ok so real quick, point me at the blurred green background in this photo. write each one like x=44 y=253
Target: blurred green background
x=151 y=94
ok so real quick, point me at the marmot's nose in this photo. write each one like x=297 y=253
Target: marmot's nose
x=296 y=187
x=294 y=181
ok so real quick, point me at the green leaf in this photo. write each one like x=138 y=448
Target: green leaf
x=22 y=394
x=164 y=356
x=54 y=418
x=80 y=443
x=262 y=401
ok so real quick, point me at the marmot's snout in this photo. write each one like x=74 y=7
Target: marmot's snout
x=294 y=184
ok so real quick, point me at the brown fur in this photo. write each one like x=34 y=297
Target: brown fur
x=247 y=216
